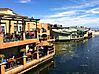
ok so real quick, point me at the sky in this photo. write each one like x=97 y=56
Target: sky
x=63 y=12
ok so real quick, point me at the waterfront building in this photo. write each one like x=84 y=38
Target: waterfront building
x=71 y=33
x=23 y=43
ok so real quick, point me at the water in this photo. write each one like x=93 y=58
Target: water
x=73 y=58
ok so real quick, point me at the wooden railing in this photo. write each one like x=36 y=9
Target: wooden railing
x=22 y=61
x=31 y=56
x=13 y=63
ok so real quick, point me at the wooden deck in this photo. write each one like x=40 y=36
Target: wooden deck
x=17 y=43
x=23 y=68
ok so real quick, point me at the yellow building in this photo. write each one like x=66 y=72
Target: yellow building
x=19 y=41
x=13 y=21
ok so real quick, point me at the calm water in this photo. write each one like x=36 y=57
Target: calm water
x=73 y=58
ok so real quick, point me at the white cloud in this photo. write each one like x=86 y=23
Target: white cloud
x=68 y=18
x=62 y=14
x=68 y=21
x=93 y=11
x=74 y=15
x=82 y=5
x=24 y=1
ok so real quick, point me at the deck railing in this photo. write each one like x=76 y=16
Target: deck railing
x=17 y=36
x=20 y=61
x=31 y=56
x=13 y=63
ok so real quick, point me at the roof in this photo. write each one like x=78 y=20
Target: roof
x=6 y=16
x=11 y=16
x=5 y=9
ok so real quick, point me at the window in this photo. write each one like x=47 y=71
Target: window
x=20 y=29
x=3 y=28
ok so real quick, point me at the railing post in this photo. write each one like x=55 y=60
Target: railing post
x=24 y=59
x=2 y=68
x=27 y=47
x=1 y=37
x=37 y=52
x=38 y=55
x=48 y=52
x=23 y=35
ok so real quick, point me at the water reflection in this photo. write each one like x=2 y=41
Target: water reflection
x=77 y=57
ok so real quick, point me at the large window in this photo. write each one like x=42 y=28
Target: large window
x=18 y=27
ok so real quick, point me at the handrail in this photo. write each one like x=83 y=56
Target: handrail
x=12 y=63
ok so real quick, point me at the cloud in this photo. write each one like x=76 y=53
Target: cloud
x=84 y=4
x=85 y=13
x=24 y=1
x=62 y=14
x=72 y=18
x=71 y=22
x=94 y=11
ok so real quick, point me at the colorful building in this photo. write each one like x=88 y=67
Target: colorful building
x=23 y=44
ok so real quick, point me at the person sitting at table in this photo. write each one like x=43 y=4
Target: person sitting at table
x=11 y=61
x=28 y=53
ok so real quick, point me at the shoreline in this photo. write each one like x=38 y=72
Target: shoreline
x=95 y=33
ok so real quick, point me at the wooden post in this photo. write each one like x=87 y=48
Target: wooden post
x=24 y=60
x=48 y=52
x=23 y=35
x=27 y=48
x=38 y=55
x=9 y=26
x=2 y=68
x=1 y=37
x=35 y=48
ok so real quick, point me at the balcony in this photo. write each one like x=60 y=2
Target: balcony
x=17 y=64
x=11 y=40
x=17 y=43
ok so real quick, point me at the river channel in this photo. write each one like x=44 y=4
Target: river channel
x=73 y=58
